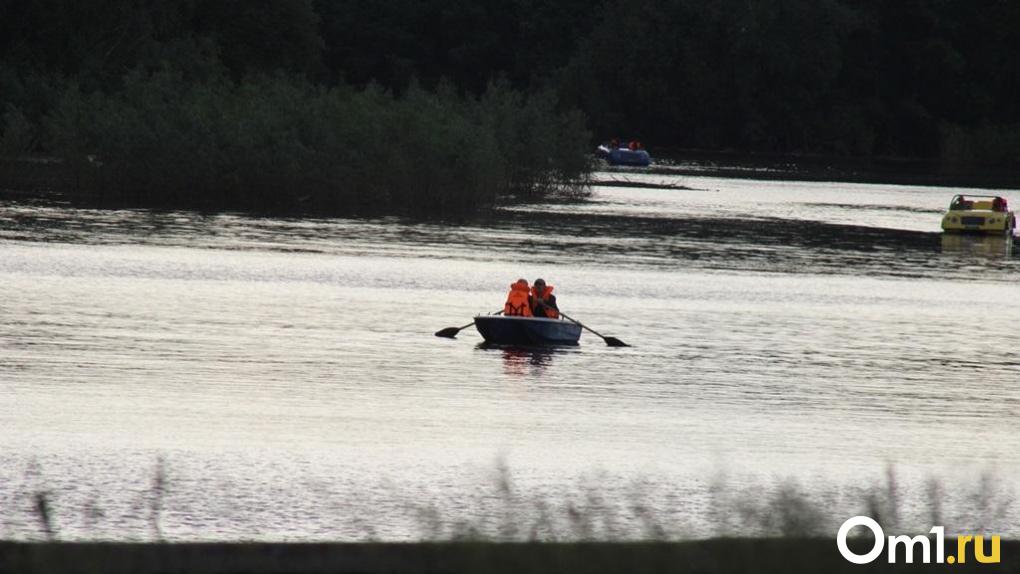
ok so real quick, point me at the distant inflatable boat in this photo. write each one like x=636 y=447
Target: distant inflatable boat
x=624 y=156
x=528 y=331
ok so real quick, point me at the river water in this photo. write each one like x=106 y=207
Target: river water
x=233 y=377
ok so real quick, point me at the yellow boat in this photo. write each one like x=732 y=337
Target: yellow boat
x=987 y=214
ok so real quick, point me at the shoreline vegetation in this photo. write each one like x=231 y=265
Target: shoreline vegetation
x=338 y=108
x=280 y=144
x=503 y=512
x=782 y=529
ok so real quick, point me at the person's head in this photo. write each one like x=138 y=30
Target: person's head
x=539 y=284
x=521 y=283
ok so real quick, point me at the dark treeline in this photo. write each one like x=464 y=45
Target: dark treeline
x=357 y=105
x=907 y=78
x=935 y=79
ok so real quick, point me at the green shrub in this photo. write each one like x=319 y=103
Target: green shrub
x=276 y=142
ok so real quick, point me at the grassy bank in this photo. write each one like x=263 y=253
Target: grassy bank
x=762 y=555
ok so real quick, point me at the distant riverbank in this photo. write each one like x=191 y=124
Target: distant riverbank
x=807 y=167
x=52 y=179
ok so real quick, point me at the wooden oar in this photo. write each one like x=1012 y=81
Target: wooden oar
x=611 y=341
x=451 y=332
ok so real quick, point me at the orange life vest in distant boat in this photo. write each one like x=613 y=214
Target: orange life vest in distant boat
x=543 y=297
x=518 y=304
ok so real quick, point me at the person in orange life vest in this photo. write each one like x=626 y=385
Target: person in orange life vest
x=518 y=301
x=543 y=302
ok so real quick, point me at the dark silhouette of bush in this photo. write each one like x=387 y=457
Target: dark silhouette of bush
x=276 y=142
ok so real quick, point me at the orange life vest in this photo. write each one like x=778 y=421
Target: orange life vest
x=518 y=304
x=542 y=297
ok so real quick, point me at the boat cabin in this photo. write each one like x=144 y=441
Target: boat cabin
x=978 y=203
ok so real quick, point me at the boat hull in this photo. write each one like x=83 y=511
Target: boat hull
x=637 y=158
x=527 y=331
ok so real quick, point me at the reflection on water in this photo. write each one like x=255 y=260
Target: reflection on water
x=990 y=246
x=287 y=369
x=524 y=361
x=725 y=224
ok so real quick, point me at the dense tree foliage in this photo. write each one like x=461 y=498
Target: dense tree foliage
x=273 y=87
x=917 y=78
x=914 y=78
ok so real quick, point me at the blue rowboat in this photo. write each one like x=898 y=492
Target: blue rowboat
x=530 y=331
x=623 y=156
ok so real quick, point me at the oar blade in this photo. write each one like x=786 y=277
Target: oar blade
x=449 y=332
x=614 y=342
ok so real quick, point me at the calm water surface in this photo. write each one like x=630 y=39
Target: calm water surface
x=286 y=374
